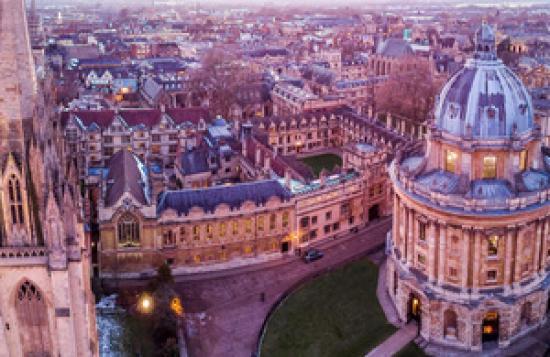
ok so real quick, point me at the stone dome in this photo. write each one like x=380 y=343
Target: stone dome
x=485 y=99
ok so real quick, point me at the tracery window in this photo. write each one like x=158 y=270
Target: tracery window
x=15 y=200
x=128 y=231
x=32 y=315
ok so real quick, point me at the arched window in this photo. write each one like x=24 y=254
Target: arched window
x=33 y=320
x=15 y=200
x=128 y=231
x=449 y=324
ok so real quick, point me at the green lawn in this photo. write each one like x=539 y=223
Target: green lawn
x=336 y=314
x=320 y=162
x=411 y=350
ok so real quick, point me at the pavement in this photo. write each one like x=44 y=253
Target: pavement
x=395 y=342
x=226 y=310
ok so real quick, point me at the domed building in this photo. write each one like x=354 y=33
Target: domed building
x=469 y=253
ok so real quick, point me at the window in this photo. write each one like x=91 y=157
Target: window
x=272 y=221
x=248 y=225
x=209 y=230
x=313 y=234
x=327 y=228
x=304 y=222
x=128 y=231
x=450 y=161
x=16 y=200
x=235 y=227
x=285 y=219
x=182 y=234
x=328 y=215
x=421 y=259
x=196 y=232
x=314 y=220
x=260 y=223
x=453 y=272
x=156 y=137
x=336 y=226
x=492 y=246
x=422 y=231
x=523 y=160
x=126 y=139
x=491 y=275
x=223 y=229
x=489 y=167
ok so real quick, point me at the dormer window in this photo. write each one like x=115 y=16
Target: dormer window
x=491 y=113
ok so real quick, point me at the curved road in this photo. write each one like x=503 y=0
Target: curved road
x=225 y=311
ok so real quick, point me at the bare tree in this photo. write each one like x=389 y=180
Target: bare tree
x=409 y=91
x=218 y=81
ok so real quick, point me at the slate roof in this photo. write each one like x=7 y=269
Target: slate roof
x=147 y=117
x=259 y=192
x=395 y=47
x=194 y=162
x=126 y=174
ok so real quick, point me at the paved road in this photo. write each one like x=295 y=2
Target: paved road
x=225 y=311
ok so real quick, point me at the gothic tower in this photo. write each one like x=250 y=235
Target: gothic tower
x=46 y=305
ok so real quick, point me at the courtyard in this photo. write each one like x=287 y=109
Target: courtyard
x=337 y=314
x=323 y=161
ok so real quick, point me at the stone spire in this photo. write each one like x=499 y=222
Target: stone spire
x=17 y=76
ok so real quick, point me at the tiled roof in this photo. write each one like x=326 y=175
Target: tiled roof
x=259 y=192
x=193 y=115
x=147 y=117
x=103 y=118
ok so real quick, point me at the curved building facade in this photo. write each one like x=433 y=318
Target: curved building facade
x=469 y=252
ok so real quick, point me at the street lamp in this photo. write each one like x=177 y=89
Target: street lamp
x=146 y=303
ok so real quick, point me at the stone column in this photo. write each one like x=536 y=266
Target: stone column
x=442 y=254
x=410 y=234
x=477 y=260
x=508 y=258
x=395 y=227
x=465 y=257
x=403 y=232
x=544 y=249
x=538 y=238
x=517 y=258
x=431 y=252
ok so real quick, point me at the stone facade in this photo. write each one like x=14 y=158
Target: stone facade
x=469 y=249
x=46 y=306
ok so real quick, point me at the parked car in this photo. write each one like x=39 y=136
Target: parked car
x=312 y=255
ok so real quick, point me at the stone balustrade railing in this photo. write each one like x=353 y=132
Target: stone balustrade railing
x=23 y=252
x=516 y=202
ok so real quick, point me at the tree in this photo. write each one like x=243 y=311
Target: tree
x=409 y=91
x=218 y=81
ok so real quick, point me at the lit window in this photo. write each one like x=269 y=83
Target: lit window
x=523 y=160
x=489 y=167
x=421 y=259
x=450 y=161
x=492 y=246
x=222 y=229
x=235 y=227
x=248 y=225
x=209 y=230
x=196 y=232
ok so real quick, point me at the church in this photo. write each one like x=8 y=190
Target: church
x=46 y=305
